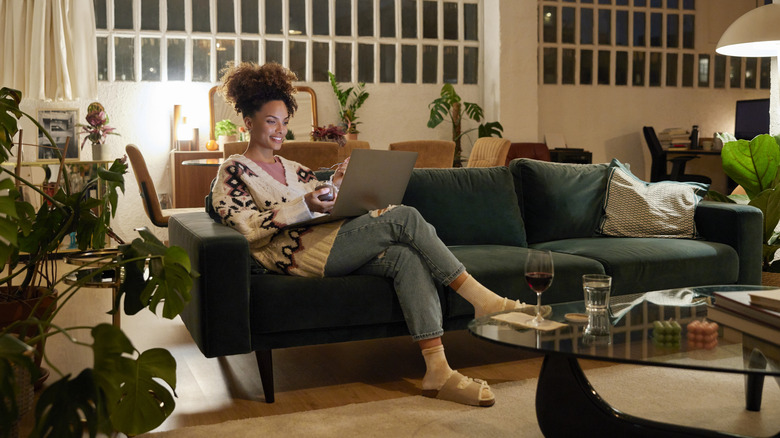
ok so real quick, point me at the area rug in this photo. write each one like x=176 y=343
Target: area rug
x=693 y=398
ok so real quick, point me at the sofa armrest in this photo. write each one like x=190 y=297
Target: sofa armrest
x=217 y=317
x=739 y=226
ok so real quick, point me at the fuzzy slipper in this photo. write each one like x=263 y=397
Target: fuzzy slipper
x=463 y=390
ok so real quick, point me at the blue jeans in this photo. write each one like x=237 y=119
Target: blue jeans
x=400 y=245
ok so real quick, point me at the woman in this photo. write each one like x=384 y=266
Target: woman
x=260 y=194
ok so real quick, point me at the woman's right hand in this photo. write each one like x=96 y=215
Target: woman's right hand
x=317 y=205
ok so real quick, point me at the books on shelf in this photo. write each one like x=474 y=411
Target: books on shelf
x=743 y=324
x=769 y=299
x=741 y=303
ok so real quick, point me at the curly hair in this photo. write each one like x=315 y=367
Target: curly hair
x=248 y=86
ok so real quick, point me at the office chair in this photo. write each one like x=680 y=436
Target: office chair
x=658 y=168
x=489 y=152
x=156 y=213
x=430 y=153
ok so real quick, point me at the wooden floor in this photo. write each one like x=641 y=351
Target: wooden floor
x=306 y=378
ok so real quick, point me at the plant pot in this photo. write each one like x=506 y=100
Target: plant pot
x=222 y=139
x=352 y=136
x=97 y=151
x=25 y=395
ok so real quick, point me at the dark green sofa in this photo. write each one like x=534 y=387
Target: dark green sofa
x=488 y=217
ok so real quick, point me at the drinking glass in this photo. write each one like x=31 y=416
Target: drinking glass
x=539 y=276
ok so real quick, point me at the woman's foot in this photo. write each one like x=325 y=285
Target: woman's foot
x=464 y=390
x=501 y=304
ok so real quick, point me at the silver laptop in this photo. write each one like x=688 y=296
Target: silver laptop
x=374 y=179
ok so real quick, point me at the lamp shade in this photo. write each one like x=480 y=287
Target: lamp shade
x=754 y=34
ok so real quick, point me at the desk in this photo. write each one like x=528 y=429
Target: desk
x=680 y=151
x=191 y=184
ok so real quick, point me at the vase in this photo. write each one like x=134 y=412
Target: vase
x=97 y=152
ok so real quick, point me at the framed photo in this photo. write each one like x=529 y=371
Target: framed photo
x=61 y=124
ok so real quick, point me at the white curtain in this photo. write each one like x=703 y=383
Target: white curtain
x=49 y=48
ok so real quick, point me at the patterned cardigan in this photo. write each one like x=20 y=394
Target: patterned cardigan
x=250 y=200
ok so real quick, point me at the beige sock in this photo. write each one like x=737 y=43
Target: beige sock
x=437 y=370
x=483 y=299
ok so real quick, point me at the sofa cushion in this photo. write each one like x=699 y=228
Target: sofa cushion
x=468 y=206
x=634 y=208
x=560 y=200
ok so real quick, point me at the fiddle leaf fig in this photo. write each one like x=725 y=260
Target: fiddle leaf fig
x=752 y=164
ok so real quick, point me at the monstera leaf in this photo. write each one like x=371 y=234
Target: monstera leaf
x=752 y=164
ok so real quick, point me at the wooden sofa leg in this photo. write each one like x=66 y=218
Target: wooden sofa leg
x=266 y=366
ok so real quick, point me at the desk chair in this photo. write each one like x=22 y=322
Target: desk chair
x=156 y=213
x=489 y=152
x=430 y=153
x=658 y=168
x=312 y=154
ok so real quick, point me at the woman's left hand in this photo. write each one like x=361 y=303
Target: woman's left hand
x=338 y=175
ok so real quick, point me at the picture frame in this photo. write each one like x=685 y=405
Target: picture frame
x=61 y=124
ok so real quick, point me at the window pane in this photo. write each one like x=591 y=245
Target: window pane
x=550 y=23
x=638 y=70
x=298 y=59
x=430 y=61
x=201 y=60
x=656 y=3
x=102 y=58
x=568 y=25
x=654 y=80
x=409 y=64
x=550 y=65
x=343 y=62
x=123 y=14
x=450 y=73
x=365 y=14
x=150 y=59
x=751 y=71
x=430 y=21
x=640 y=38
x=671 y=69
x=673 y=4
x=274 y=51
x=409 y=18
x=470 y=22
x=319 y=17
x=605 y=26
x=688 y=70
x=387 y=63
x=704 y=70
x=450 y=21
x=176 y=15
x=640 y=3
x=320 y=56
x=175 y=61
x=672 y=30
x=365 y=63
x=150 y=16
x=621 y=28
x=250 y=51
x=225 y=16
x=470 y=65
x=656 y=35
x=586 y=67
x=689 y=4
x=586 y=26
x=719 y=80
x=604 y=67
x=568 y=66
x=200 y=20
x=249 y=17
x=621 y=68
x=735 y=72
x=689 y=24
x=226 y=52
x=273 y=17
x=605 y=2
x=124 y=59
x=298 y=17
x=766 y=68
x=101 y=17
x=387 y=18
x=343 y=18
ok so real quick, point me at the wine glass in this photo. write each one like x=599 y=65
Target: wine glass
x=539 y=276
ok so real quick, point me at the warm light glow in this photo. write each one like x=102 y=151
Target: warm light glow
x=184 y=131
x=754 y=34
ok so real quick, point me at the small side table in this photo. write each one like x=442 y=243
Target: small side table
x=108 y=279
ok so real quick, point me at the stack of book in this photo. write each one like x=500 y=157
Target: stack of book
x=674 y=138
x=756 y=313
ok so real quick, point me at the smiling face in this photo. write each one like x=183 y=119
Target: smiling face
x=268 y=127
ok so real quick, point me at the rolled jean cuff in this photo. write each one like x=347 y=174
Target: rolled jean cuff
x=448 y=280
x=424 y=336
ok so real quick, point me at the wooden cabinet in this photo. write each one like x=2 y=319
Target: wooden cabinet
x=191 y=184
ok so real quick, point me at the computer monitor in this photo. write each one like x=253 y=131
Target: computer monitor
x=752 y=118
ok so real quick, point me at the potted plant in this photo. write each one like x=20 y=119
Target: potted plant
x=754 y=166
x=350 y=100
x=226 y=131
x=329 y=133
x=96 y=130
x=125 y=390
x=450 y=106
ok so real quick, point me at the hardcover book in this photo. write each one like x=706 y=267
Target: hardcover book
x=766 y=298
x=742 y=303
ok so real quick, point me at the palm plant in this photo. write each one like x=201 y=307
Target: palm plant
x=350 y=100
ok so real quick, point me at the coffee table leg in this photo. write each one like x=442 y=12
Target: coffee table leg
x=754 y=383
x=567 y=405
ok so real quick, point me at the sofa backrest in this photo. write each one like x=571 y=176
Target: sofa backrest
x=468 y=206
x=559 y=200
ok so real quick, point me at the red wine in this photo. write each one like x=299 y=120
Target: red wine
x=538 y=281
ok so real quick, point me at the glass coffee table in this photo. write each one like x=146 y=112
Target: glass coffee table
x=563 y=391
